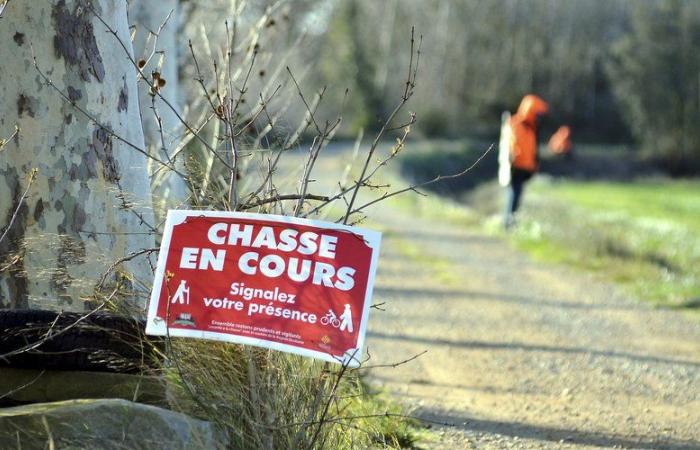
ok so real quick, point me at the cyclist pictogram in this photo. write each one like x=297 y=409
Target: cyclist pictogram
x=330 y=319
x=344 y=322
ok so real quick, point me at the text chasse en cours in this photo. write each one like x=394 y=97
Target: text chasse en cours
x=287 y=240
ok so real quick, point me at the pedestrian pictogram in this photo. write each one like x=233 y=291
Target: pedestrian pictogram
x=346 y=318
x=182 y=295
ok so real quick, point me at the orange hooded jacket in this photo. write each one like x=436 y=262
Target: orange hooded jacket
x=560 y=142
x=524 y=133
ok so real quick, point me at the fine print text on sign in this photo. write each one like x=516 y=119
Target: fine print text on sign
x=284 y=283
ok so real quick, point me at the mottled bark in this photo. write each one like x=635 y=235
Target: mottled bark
x=90 y=202
x=161 y=55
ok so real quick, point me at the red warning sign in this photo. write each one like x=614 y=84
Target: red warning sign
x=289 y=284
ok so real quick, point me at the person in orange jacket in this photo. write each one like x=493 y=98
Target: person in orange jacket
x=560 y=142
x=522 y=150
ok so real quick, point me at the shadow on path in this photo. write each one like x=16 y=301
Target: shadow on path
x=534 y=348
x=432 y=384
x=406 y=294
x=543 y=433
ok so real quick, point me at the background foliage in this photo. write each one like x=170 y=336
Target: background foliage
x=612 y=69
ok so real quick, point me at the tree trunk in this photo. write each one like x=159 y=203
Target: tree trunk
x=161 y=55
x=90 y=203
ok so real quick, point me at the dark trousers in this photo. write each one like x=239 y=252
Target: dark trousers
x=518 y=178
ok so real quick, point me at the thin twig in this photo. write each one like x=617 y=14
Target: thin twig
x=32 y=177
x=126 y=258
x=24 y=386
x=278 y=198
x=255 y=116
x=153 y=86
x=415 y=187
x=50 y=335
x=104 y=128
x=396 y=364
x=159 y=121
x=156 y=35
x=301 y=94
x=4 y=142
x=408 y=92
x=324 y=414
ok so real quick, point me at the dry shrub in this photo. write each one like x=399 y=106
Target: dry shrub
x=271 y=400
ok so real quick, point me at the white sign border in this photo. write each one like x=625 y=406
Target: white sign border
x=157 y=327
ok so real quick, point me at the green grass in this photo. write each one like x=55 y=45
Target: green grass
x=641 y=234
x=669 y=204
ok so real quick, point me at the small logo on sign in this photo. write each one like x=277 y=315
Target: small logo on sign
x=184 y=319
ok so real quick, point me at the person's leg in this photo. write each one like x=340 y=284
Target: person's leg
x=513 y=195
x=517 y=184
x=510 y=203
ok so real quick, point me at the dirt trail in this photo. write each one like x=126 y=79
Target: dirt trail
x=521 y=354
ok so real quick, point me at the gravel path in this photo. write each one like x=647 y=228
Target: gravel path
x=525 y=355
x=521 y=354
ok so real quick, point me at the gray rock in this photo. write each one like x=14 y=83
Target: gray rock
x=41 y=386
x=103 y=424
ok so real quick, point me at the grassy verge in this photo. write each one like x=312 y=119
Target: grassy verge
x=642 y=234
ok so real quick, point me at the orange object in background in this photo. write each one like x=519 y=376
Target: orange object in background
x=524 y=132
x=560 y=142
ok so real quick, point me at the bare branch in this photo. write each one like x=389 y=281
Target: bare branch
x=126 y=258
x=396 y=364
x=50 y=335
x=106 y=129
x=303 y=99
x=408 y=92
x=20 y=202
x=4 y=142
x=415 y=187
x=278 y=198
x=154 y=87
x=156 y=35
x=23 y=386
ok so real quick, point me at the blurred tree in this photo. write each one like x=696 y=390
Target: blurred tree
x=349 y=60
x=157 y=45
x=656 y=76
x=479 y=58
